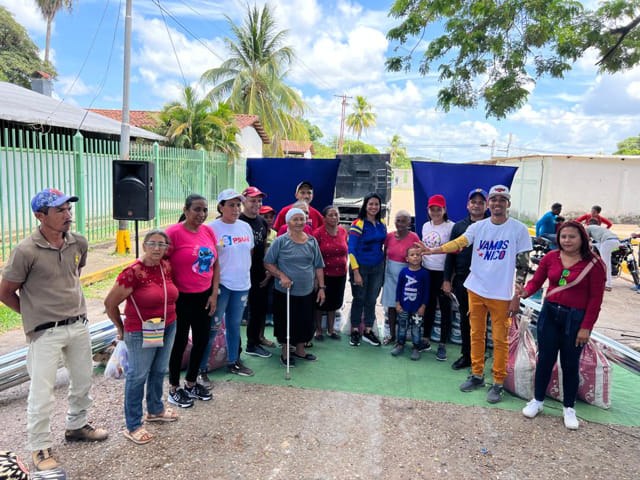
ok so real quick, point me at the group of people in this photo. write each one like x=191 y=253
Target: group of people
x=196 y=275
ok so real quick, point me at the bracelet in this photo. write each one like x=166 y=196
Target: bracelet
x=323 y=287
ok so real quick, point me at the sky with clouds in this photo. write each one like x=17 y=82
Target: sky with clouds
x=341 y=48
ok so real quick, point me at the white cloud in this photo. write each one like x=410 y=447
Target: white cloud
x=68 y=86
x=614 y=94
x=27 y=14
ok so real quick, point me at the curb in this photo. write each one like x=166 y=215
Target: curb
x=94 y=277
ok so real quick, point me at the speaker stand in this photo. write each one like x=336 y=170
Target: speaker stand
x=137 y=251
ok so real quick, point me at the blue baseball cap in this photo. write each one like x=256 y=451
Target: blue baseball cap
x=50 y=197
x=477 y=191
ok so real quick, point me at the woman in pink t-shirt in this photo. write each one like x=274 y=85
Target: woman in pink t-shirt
x=332 y=240
x=195 y=272
x=395 y=247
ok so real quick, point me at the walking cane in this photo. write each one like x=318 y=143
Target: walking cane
x=288 y=375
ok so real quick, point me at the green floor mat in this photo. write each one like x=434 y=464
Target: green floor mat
x=368 y=369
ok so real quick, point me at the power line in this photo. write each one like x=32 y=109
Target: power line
x=106 y=72
x=84 y=62
x=198 y=39
x=173 y=47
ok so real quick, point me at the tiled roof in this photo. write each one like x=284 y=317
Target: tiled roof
x=137 y=118
x=296 y=147
x=244 y=121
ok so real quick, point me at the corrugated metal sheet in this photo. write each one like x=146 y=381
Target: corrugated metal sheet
x=22 y=105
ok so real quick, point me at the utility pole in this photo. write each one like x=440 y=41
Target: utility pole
x=344 y=108
x=123 y=241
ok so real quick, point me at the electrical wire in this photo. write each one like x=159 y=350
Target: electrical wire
x=106 y=72
x=198 y=39
x=173 y=47
x=84 y=62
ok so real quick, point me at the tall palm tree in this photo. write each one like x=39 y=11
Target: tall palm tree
x=397 y=150
x=190 y=123
x=251 y=80
x=49 y=8
x=362 y=117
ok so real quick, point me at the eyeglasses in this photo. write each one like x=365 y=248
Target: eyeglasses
x=563 y=278
x=156 y=244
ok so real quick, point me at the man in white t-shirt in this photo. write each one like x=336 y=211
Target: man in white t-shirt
x=496 y=241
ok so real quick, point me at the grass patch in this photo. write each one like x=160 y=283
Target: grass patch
x=100 y=289
x=9 y=319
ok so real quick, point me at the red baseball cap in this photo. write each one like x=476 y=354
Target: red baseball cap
x=253 y=192
x=437 y=201
x=266 y=209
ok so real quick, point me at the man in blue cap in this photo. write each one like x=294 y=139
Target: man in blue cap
x=45 y=269
x=456 y=270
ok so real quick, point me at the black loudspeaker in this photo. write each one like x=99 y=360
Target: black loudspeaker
x=133 y=190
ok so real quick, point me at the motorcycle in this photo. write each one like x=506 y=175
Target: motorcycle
x=541 y=246
x=624 y=253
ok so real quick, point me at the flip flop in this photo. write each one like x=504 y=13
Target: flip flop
x=333 y=336
x=267 y=343
x=167 y=416
x=139 y=436
x=309 y=356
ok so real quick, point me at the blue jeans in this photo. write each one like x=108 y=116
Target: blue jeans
x=412 y=321
x=557 y=330
x=231 y=304
x=146 y=366
x=365 y=296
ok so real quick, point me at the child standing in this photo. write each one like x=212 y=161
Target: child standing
x=412 y=295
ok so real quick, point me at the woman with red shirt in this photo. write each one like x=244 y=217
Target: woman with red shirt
x=574 y=296
x=332 y=240
x=147 y=287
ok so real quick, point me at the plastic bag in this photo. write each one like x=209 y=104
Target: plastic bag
x=521 y=363
x=118 y=363
x=595 y=378
x=218 y=355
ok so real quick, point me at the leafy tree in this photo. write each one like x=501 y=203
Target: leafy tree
x=354 y=146
x=314 y=131
x=362 y=117
x=18 y=54
x=629 y=146
x=190 y=123
x=491 y=50
x=398 y=153
x=323 y=151
x=49 y=8
x=251 y=80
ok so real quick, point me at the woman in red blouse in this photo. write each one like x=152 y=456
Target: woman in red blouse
x=332 y=240
x=574 y=296
x=147 y=287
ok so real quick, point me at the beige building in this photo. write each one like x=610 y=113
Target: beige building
x=577 y=182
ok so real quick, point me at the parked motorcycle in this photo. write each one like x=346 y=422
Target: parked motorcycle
x=541 y=246
x=624 y=253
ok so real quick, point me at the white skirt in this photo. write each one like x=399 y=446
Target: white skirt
x=391 y=274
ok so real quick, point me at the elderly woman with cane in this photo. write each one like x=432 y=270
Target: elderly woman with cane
x=151 y=295
x=295 y=261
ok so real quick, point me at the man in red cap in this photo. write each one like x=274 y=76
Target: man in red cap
x=258 y=293
x=304 y=192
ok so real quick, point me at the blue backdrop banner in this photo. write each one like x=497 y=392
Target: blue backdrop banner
x=278 y=178
x=454 y=181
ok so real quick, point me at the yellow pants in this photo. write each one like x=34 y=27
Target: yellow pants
x=500 y=323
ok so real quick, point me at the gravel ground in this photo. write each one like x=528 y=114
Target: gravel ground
x=254 y=431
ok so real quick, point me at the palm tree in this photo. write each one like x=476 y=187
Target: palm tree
x=49 y=8
x=397 y=151
x=190 y=123
x=251 y=80
x=362 y=117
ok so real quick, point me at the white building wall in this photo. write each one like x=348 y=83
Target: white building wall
x=577 y=182
x=250 y=142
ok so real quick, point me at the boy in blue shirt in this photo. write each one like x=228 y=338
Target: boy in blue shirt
x=412 y=294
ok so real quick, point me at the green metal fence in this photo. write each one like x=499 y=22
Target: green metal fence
x=82 y=167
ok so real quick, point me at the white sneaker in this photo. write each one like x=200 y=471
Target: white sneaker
x=533 y=408
x=570 y=420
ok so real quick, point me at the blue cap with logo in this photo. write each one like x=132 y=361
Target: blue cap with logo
x=50 y=197
x=477 y=191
